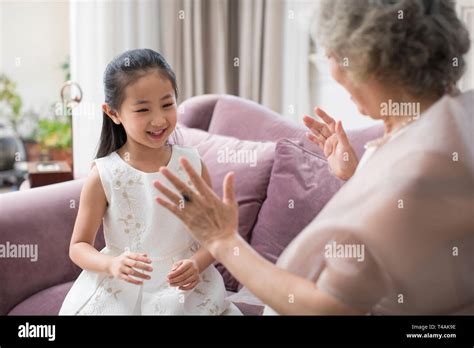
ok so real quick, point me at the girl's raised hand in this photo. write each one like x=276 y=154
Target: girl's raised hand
x=126 y=264
x=332 y=139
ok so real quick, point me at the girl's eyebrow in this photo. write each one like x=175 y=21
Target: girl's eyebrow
x=138 y=102
x=141 y=102
x=166 y=96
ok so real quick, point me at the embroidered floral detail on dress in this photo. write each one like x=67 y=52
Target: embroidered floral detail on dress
x=101 y=298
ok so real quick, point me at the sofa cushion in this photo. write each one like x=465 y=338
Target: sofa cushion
x=45 y=302
x=300 y=185
x=252 y=163
x=248 y=120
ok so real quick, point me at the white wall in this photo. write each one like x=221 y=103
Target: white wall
x=34 y=42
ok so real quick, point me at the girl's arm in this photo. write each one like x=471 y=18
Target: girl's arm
x=92 y=207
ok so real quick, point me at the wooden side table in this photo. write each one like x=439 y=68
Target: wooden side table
x=47 y=173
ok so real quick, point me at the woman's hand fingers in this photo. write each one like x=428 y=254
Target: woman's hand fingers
x=316 y=127
x=341 y=134
x=329 y=145
x=167 y=192
x=181 y=186
x=326 y=118
x=172 y=208
x=228 y=189
x=315 y=140
x=196 y=179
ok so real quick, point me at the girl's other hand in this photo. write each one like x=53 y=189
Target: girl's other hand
x=126 y=264
x=332 y=139
x=184 y=274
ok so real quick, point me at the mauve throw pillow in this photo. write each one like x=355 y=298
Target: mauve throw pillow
x=300 y=185
x=252 y=163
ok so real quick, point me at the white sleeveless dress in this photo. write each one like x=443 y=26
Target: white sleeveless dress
x=134 y=221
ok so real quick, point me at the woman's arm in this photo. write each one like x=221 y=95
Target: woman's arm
x=281 y=290
x=214 y=223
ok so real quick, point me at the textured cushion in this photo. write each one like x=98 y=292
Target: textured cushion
x=251 y=178
x=247 y=120
x=45 y=302
x=300 y=185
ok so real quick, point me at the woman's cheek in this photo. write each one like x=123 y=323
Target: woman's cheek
x=336 y=71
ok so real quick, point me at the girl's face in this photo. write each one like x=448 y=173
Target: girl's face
x=148 y=112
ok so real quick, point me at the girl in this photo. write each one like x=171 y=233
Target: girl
x=150 y=264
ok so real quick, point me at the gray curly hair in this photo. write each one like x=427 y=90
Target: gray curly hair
x=411 y=43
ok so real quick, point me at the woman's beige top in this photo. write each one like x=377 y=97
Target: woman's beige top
x=398 y=237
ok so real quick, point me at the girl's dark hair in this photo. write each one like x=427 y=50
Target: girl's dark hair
x=120 y=72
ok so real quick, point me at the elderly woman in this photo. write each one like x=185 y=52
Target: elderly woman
x=398 y=237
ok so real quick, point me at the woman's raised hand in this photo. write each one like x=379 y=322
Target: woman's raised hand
x=208 y=218
x=126 y=266
x=332 y=139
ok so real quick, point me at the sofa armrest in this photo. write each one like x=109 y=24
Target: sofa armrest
x=247 y=302
x=40 y=219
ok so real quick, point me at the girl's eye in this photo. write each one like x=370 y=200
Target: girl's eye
x=142 y=110
x=168 y=105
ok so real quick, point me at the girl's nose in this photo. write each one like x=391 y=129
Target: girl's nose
x=157 y=120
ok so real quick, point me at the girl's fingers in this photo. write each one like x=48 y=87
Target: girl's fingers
x=182 y=277
x=139 y=257
x=176 y=265
x=138 y=264
x=129 y=279
x=131 y=272
x=179 y=271
x=192 y=278
x=190 y=286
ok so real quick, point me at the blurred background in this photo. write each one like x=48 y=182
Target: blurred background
x=53 y=55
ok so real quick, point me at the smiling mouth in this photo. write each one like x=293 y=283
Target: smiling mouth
x=156 y=134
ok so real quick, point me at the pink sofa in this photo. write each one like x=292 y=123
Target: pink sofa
x=289 y=169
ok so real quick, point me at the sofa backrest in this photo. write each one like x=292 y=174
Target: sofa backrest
x=246 y=120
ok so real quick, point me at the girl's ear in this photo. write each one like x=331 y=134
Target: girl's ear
x=111 y=113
